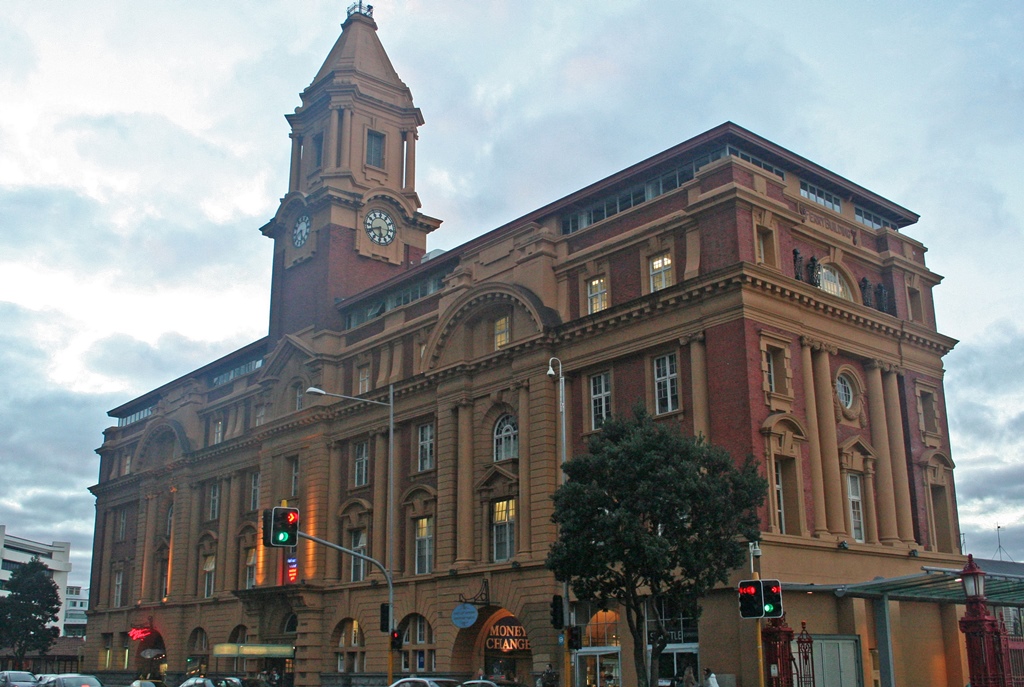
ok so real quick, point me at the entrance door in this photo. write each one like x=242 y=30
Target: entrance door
x=598 y=669
x=836 y=661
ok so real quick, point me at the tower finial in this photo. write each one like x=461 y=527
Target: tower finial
x=360 y=8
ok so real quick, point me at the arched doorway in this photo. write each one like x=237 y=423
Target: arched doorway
x=150 y=657
x=497 y=644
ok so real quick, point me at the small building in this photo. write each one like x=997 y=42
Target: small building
x=56 y=556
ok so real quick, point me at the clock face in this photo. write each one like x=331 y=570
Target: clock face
x=379 y=227
x=301 y=231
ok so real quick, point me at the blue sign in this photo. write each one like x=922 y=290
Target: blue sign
x=464 y=615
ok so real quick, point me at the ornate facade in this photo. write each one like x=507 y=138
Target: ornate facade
x=737 y=289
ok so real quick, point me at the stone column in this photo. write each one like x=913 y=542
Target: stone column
x=232 y=564
x=171 y=539
x=107 y=575
x=829 y=443
x=870 y=521
x=464 y=484
x=524 y=535
x=331 y=157
x=699 y=390
x=296 y=170
x=813 y=442
x=897 y=452
x=887 y=531
x=191 y=571
x=146 y=573
x=346 y=139
x=223 y=535
x=380 y=497
x=409 y=183
x=334 y=531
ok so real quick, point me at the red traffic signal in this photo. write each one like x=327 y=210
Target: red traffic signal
x=396 y=640
x=280 y=526
x=751 y=597
x=575 y=637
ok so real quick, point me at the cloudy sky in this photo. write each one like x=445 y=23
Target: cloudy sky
x=143 y=144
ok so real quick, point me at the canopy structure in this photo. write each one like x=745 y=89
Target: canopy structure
x=254 y=650
x=938 y=585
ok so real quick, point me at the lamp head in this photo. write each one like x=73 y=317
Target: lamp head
x=551 y=371
x=316 y=391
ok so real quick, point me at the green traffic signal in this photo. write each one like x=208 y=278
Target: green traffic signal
x=281 y=526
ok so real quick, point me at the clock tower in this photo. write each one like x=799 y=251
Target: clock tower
x=351 y=218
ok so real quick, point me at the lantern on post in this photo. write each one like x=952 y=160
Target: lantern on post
x=987 y=657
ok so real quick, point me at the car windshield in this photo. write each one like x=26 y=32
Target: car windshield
x=15 y=676
x=81 y=681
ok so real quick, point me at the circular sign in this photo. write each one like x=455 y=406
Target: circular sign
x=464 y=615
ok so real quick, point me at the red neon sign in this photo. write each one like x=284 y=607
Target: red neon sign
x=137 y=633
x=292 y=570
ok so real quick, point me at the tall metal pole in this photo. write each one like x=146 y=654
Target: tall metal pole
x=567 y=662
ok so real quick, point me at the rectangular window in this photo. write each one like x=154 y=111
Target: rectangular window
x=501 y=332
x=375 y=149
x=250 y=568
x=298 y=396
x=597 y=295
x=661 y=271
x=122 y=524
x=424 y=545
x=261 y=415
x=118 y=588
x=870 y=219
x=775 y=370
x=254 y=491
x=856 y=508
x=209 y=574
x=361 y=464
x=821 y=197
x=294 y=465
x=666 y=384
x=914 y=305
x=600 y=399
x=503 y=525
x=318 y=150
x=929 y=417
x=358 y=544
x=364 y=379
x=766 y=247
x=218 y=431
x=426 y=447
x=213 y=511
x=780 y=501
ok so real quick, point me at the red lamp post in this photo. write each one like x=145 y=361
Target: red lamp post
x=987 y=658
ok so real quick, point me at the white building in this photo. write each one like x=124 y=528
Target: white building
x=76 y=603
x=15 y=552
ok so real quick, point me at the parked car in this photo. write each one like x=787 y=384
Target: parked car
x=204 y=681
x=71 y=680
x=148 y=683
x=491 y=683
x=17 y=678
x=425 y=682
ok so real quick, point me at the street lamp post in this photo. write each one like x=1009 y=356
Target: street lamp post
x=316 y=391
x=567 y=664
x=987 y=660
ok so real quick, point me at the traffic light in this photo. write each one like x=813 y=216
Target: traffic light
x=385 y=617
x=280 y=526
x=751 y=595
x=771 y=590
x=557 y=616
x=575 y=638
x=396 y=640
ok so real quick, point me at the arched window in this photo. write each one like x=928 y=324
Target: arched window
x=506 y=438
x=291 y=624
x=418 y=652
x=350 y=652
x=833 y=282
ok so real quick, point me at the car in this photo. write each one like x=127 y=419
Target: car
x=71 y=680
x=425 y=682
x=205 y=681
x=17 y=678
x=148 y=683
x=481 y=682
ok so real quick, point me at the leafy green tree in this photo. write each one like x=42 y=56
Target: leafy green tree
x=652 y=520
x=32 y=602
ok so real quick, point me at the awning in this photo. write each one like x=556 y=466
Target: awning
x=936 y=585
x=254 y=650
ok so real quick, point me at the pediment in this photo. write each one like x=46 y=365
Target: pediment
x=290 y=348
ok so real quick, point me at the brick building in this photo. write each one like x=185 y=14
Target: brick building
x=741 y=291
